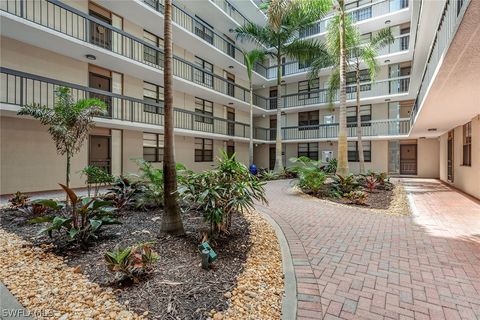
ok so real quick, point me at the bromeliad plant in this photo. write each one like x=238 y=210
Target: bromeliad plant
x=18 y=200
x=131 y=262
x=123 y=192
x=310 y=176
x=82 y=220
x=343 y=185
x=357 y=197
x=222 y=192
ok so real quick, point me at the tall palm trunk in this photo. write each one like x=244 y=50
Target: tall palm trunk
x=278 y=141
x=359 y=121
x=172 y=221
x=250 y=143
x=342 y=167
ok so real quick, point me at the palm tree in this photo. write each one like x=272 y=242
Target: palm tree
x=171 y=221
x=69 y=122
x=367 y=53
x=285 y=19
x=251 y=59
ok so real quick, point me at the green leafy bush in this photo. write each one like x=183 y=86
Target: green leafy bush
x=371 y=183
x=131 y=262
x=123 y=192
x=356 y=197
x=36 y=208
x=96 y=178
x=382 y=178
x=342 y=185
x=310 y=177
x=81 y=220
x=331 y=166
x=221 y=192
x=18 y=200
x=268 y=175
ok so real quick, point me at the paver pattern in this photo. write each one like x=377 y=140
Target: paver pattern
x=354 y=264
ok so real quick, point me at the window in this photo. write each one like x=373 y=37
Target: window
x=309 y=118
x=305 y=87
x=360 y=14
x=353 y=151
x=152 y=147
x=150 y=55
x=204 y=75
x=467 y=144
x=352 y=80
x=203 y=150
x=230 y=148
x=365 y=116
x=153 y=94
x=204 y=107
x=203 y=30
x=309 y=150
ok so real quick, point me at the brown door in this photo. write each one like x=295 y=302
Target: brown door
x=450 y=156
x=103 y=83
x=100 y=35
x=272 y=157
x=230 y=85
x=231 y=125
x=99 y=152
x=273 y=128
x=408 y=159
x=273 y=94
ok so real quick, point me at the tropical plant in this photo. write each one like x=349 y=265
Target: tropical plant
x=342 y=185
x=35 y=208
x=310 y=177
x=171 y=220
x=81 y=220
x=123 y=192
x=68 y=122
x=95 y=179
x=268 y=175
x=131 y=262
x=251 y=58
x=371 y=183
x=280 y=35
x=331 y=166
x=222 y=192
x=366 y=52
x=18 y=200
x=357 y=197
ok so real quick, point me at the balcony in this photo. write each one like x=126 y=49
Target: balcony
x=361 y=13
x=79 y=26
x=368 y=91
x=20 y=88
x=230 y=10
x=370 y=129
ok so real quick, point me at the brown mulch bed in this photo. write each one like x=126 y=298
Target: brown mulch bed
x=178 y=288
x=377 y=199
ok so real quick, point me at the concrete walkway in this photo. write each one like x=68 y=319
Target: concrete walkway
x=353 y=264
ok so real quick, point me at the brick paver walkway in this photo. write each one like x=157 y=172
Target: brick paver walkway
x=353 y=264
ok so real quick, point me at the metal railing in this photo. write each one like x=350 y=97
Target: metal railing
x=293 y=67
x=20 y=88
x=449 y=22
x=230 y=10
x=367 y=90
x=69 y=21
x=373 y=128
x=360 y=13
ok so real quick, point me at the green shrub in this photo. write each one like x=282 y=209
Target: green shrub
x=82 y=219
x=356 y=197
x=131 y=262
x=269 y=175
x=310 y=177
x=371 y=183
x=221 y=192
x=124 y=192
x=342 y=185
x=331 y=166
x=96 y=178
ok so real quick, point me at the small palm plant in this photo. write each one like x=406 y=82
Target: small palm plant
x=68 y=122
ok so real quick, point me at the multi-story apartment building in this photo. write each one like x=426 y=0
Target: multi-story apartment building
x=419 y=116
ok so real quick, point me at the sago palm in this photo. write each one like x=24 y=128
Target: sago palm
x=280 y=37
x=251 y=58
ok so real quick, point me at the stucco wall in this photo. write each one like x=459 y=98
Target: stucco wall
x=428 y=163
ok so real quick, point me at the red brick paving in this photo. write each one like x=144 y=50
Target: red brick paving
x=353 y=264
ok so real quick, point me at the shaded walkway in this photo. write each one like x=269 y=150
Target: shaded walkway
x=352 y=264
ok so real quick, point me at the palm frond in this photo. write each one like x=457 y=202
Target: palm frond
x=333 y=86
x=251 y=58
x=383 y=38
x=306 y=50
x=255 y=34
x=45 y=114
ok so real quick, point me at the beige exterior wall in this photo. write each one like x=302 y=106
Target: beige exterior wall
x=466 y=178
x=427 y=161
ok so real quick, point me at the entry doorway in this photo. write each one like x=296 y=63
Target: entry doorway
x=408 y=159
x=231 y=121
x=99 y=152
x=100 y=82
x=450 y=155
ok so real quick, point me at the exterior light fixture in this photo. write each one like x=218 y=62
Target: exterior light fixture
x=230 y=67
x=230 y=103
x=387 y=61
x=90 y=57
x=432 y=129
x=387 y=21
x=386 y=100
x=283 y=81
x=230 y=30
x=422 y=138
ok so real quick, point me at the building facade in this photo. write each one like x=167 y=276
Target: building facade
x=112 y=50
